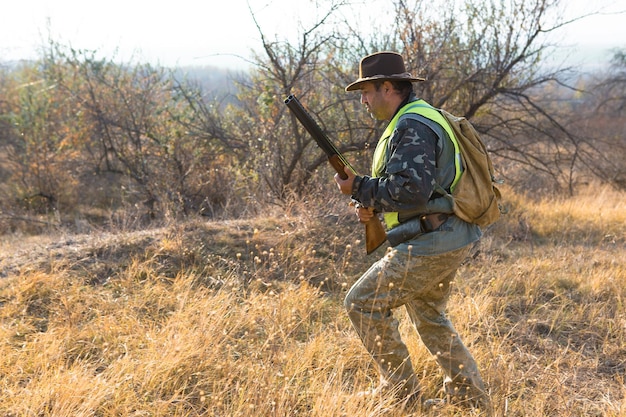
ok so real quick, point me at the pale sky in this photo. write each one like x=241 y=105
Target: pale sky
x=209 y=32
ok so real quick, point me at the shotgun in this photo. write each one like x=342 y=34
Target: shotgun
x=374 y=231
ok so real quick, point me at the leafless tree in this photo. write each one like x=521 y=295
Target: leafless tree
x=482 y=60
x=605 y=99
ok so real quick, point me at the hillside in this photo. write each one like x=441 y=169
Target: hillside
x=244 y=317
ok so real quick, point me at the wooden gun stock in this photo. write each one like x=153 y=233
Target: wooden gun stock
x=375 y=234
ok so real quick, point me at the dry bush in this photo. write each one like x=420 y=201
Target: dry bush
x=244 y=317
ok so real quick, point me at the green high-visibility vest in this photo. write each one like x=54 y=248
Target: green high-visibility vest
x=378 y=165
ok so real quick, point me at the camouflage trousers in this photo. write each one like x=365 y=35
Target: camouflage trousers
x=422 y=284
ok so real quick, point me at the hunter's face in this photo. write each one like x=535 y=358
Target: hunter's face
x=374 y=101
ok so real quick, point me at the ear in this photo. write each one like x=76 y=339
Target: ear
x=387 y=87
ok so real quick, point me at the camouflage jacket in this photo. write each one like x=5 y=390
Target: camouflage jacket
x=419 y=155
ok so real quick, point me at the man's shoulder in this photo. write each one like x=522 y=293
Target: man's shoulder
x=419 y=123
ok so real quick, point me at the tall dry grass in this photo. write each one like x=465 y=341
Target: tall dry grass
x=244 y=318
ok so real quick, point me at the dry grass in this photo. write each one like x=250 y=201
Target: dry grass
x=244 y=318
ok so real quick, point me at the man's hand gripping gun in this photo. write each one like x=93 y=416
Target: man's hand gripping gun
x=374 y=231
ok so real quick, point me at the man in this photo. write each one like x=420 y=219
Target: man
x=415 y=163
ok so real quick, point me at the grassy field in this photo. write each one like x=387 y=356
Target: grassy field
x=245 y=317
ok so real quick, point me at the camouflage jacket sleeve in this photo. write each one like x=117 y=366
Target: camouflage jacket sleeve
x=409 y=177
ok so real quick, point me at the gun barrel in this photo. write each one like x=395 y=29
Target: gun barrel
x=374 y=231
x=323 y=141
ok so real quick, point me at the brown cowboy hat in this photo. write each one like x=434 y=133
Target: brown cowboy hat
x=382 y=66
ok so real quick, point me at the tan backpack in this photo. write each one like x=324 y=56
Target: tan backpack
x=476 y=196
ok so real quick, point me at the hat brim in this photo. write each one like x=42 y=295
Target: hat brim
x=356 y=85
